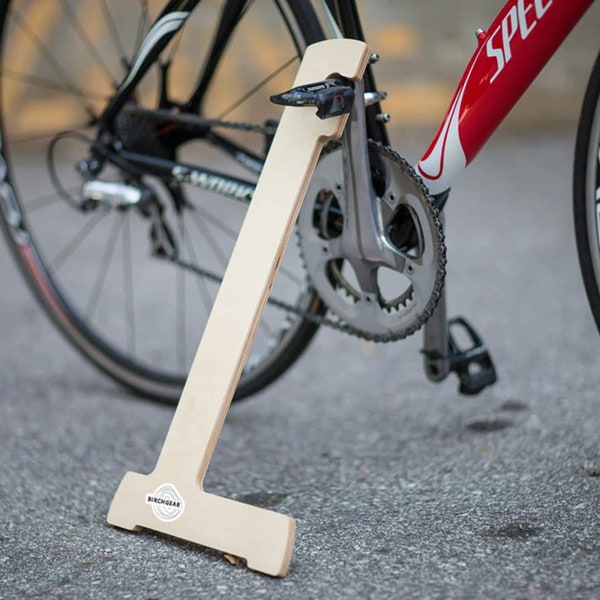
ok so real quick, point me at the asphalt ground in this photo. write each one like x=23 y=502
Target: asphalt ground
x=401 y=488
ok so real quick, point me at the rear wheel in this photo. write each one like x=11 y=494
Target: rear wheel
x=586 y=191
x=131 y=284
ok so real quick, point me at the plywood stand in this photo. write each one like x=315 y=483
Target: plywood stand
x=172 y=499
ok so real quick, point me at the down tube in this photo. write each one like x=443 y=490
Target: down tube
x=509 y=56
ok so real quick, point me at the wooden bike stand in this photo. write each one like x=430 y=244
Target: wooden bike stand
x=172 y=499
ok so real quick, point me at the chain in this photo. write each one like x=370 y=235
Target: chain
x=198 y=121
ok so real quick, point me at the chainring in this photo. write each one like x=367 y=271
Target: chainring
x=390 y=298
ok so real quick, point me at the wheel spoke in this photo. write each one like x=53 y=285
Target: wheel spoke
x=49 y=200
x=181 y=330
x=142 y=23
x=114 y=34
x=49 y=84
x=128 y=286
x=220 y=225
x=75 y=242
x=214 y=246
x=53 y=62
x=44 y=135
x=103 y=269
x=207 y=299
x=85 y=40
x=257 y=88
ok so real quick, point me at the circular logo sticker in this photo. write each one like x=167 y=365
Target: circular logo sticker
x=167 y=503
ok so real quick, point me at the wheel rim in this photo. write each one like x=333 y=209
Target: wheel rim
x=592 y=186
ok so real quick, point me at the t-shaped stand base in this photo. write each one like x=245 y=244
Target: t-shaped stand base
x=171 y=499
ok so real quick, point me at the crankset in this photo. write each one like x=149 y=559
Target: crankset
x=380 y=273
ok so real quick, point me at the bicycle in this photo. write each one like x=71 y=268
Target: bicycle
x=111 y=141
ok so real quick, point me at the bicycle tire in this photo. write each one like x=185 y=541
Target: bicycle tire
x=149 y=369
x=586 y=187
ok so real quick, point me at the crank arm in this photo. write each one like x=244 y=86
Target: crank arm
x=364 y=241
x=435 y=337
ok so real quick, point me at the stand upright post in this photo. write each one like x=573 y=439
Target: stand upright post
x=171 y=499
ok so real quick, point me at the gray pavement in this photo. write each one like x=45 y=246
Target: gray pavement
x=400 y=488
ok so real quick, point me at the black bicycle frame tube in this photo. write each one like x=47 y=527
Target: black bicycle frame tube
x=348 y=19
x=169 y=22
x=206 y=179
x=230 y=17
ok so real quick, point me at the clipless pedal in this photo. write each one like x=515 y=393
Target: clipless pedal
x=453 y=345
x=473 y=365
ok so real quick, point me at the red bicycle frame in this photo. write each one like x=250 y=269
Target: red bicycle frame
x=510 y=54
